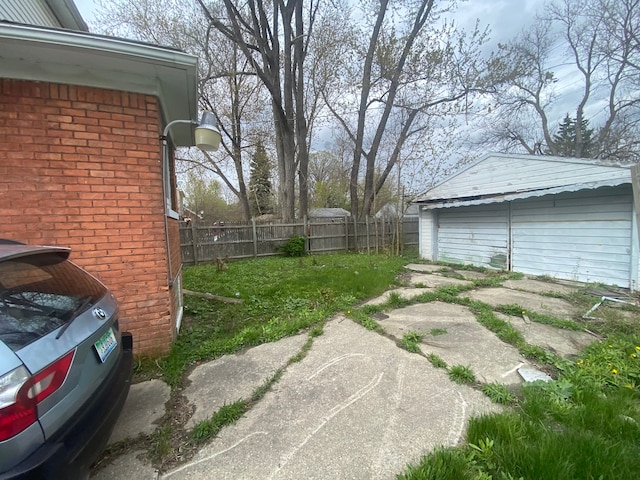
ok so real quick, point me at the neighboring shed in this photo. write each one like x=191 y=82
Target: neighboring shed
x=563 y=217
x=328 y=213
x=81 y=161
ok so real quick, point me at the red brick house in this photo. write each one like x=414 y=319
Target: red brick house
x=81 y=162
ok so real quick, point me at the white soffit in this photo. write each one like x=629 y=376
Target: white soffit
x=77 y=58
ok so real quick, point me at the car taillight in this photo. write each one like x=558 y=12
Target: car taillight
x=20 y=394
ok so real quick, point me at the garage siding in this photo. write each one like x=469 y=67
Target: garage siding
x=478 y=235
x=583 y=236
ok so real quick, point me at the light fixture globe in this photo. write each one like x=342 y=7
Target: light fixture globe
x=207 y=134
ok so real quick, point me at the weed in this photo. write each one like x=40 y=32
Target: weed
x=316 y=331
x=372 y=309
x=461 y=374
x=489 y=282
x=228 y=414
x=498 y=393
x=426 y=297
x=515 y=276
x=147 y=367
x=396 y=301
x=436 y=361
x=161 y=442
x=449 y=293
x=438 y=331
x=411 y=342
x=298 y=357
x=359 y=316
x=260 y=392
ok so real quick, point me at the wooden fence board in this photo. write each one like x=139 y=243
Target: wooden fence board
x=205 y=244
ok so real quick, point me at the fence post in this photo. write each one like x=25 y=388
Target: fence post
x=366 y=220
x=346 y=234
x=306 y=234
x=194 y=242
x=255 y=237
x=355 y=234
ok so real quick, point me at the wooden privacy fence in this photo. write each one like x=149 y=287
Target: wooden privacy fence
x=205 y=244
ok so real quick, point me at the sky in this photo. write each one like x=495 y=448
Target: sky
x=86 y=9
x=505 y=19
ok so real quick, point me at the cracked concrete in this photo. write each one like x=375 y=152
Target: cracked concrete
x=356 y=398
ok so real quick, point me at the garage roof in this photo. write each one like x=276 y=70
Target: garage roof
x=504 y=177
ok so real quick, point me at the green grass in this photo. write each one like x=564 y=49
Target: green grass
x=498 y=393
x=436 y=361
x=584 y=425
x=461 y=374
x=411 y=341
x=438 y=331
x=227 y=415
x=281 y=297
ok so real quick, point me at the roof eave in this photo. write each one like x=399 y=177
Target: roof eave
x=510 y=196
x=76 y=58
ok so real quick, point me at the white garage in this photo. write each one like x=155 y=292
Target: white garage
x=568 y=218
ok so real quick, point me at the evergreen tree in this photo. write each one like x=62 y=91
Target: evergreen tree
x=565 y=141
x=260 y=190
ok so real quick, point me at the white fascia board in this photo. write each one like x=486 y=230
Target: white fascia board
x=521 y=195
x=75 y=58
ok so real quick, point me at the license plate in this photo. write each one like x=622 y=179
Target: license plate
x=106 y=345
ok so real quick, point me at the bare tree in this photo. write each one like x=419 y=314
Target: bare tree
x=274 y=38
x=600 y=45
x=414 y=66
x=227 y=85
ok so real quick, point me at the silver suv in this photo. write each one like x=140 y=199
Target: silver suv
x=65 y=367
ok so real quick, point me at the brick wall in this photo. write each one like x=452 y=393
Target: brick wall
x=80 y=167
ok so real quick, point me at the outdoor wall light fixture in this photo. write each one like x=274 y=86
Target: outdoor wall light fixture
x=207 y=139
x=207 y=134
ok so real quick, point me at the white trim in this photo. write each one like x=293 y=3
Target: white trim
x=635 y=267
x=78 y=58
x=528 y=194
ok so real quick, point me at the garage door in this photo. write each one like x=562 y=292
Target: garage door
x=583 y=236
x=476 y=235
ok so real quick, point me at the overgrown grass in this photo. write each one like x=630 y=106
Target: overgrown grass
x=585 y=425
x=280 y=297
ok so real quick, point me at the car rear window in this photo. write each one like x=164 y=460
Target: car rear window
x=39 y=293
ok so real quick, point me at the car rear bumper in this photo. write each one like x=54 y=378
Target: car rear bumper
x=80 y=441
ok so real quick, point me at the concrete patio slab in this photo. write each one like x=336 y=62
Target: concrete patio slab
x=142 y=411
x=472 y=274
x=426 y=268
x=129 y=466
x=528 y=301
x=356 y=407
x=234 y=377
x=567 y=343
x=404 y=292
x=460 y=340
x=434 y=281
x=538 y=286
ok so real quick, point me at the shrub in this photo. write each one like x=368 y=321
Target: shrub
x=295 y=247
